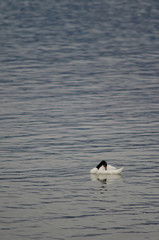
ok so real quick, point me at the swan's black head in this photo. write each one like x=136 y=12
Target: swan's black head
x=102 y=163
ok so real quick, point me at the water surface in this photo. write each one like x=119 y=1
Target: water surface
x=79 y=84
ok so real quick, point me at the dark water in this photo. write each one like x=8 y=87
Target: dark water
x=79 y=84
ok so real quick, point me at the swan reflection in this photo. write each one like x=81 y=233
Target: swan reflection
x=105 y=179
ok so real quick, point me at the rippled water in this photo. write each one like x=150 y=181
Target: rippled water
x=79 y=84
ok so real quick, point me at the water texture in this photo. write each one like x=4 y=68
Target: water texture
x=79 y=83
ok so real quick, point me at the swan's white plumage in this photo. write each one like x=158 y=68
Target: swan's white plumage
x=102 y=170
x=94 y=170
x=110 y=167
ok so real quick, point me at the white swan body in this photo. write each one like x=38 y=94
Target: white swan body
x=109 y=170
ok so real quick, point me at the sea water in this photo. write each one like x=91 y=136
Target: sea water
x=79 y=84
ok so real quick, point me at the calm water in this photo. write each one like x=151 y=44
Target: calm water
x=79 y=84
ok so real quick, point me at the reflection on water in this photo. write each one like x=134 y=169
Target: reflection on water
x=103 y=188
x=106 y=179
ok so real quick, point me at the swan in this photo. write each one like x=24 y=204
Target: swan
x=103 y=168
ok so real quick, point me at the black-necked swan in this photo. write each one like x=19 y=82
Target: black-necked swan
x=103 y=168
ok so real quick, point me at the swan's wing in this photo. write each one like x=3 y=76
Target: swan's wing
x=101 y=169
x=94 y=170
x=112 y=171
x=110 y=167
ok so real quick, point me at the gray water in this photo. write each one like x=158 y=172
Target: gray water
x=79 y=84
